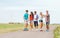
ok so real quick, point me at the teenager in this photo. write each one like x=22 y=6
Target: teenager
x=26 y=20
x=41 y=21
x=35 y=20
x=31 y=18
x=47 y=20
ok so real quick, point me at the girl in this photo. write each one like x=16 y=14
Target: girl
x=31 y=17
x=41 y=21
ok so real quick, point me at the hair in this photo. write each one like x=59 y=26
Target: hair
x=35 y=12
x=40 y=13
x=32 y=14
x=26 y=10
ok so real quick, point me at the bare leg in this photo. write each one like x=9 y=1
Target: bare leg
x=41 y=25
x=31 y=25
x=26 y=25
x=36 y=27
x=47 y=26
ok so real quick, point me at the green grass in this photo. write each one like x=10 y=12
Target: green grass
x=57 y=32
x=15 y=27
x=10 y=27
x=5 y=26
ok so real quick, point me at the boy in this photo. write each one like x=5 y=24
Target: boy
x=35 y=20
x=47 y=20
x=26 y=20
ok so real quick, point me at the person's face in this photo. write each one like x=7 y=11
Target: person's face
x=46 y=12
x=40 y=13
x=35 y=12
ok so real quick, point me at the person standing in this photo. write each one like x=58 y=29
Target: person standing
x=26 y=20
x=47 y=18
x=35 y=20
x=41 y=21
x=31 y=18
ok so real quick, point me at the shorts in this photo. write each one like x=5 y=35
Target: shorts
x=47 y=23
x=35 y=23
x=26 y=21
x=40 y=20
x=31 y=21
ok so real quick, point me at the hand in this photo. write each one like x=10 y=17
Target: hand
x=44 y=15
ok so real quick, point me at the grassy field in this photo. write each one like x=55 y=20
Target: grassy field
x=10 y=27
x=4 y=28
x=57 y=32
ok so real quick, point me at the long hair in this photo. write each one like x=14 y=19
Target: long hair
x=32 y=14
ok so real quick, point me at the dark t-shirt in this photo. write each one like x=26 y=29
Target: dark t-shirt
x=48 y=18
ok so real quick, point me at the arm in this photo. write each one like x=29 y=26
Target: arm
x=24 y=17
x=29 y=18
x=49 y=18
x=44 y=15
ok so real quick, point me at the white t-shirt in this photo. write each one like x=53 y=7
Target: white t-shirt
x=35 y=17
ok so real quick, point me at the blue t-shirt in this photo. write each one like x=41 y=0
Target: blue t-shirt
x=26 y=16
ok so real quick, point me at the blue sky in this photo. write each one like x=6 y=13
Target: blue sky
x=13 y=10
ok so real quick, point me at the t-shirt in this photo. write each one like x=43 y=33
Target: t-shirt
x=48 y=18
x=35 y=17
x=26 y=16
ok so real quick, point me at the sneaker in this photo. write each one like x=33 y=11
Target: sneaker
x=25 y=29
x=47 y=30
x=41 y=30
x=37 y=29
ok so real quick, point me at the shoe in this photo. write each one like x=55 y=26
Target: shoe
x=37 y=29
x=47 y=30
x=25 y=29
x=41 y=30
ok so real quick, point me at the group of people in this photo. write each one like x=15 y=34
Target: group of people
x=34 y=18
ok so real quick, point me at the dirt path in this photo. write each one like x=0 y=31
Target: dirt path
x=30 y=34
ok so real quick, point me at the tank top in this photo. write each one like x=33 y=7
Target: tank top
x=40 y=17
x=31 y=17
